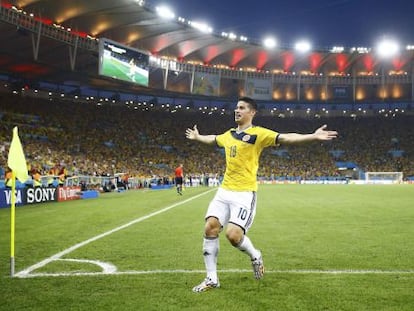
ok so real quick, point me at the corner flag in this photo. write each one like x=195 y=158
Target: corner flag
x=16 y=160
x=17 y=163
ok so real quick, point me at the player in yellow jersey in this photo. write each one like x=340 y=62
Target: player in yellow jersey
x=234 y=205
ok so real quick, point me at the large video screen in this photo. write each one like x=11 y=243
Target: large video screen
x=124 y=63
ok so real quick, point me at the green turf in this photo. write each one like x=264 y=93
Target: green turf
x=299 y=228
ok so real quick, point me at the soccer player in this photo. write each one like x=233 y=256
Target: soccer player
x=234 y=205
x=179 y=176
x=132 y=69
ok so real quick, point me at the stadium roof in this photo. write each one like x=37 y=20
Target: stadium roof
x=50 y=55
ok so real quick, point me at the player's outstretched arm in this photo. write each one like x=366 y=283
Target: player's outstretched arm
x=320 y=134
x=193 y=134
x=323 y=134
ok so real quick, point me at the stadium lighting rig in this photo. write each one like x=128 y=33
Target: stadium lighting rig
x=360 y=50
x=387 y=48
x=337 y=49
x=203 y=27
x=303 y=46
x=165 y=12
x=269 y=42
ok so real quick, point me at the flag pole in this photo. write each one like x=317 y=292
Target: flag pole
x=12 y=223
x=17 y=163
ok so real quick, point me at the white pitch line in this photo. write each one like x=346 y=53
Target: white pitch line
x=294 y=271
x=57 y=256
x=106 y=267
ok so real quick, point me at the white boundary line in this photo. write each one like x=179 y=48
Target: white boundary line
x=25 y=272
x=107 y=267
x=147 y=272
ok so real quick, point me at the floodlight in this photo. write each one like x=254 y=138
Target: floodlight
x=203 y=27
x=337 y=49
x=387 y=48
x=303 y=46
x=269 y=42
x=232 y=36
x=165 y=12
x=140 y=2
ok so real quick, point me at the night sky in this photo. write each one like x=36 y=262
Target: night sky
x=324 y=22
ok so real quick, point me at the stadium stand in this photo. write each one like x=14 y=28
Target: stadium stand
x=72 y=138
x=102 y=140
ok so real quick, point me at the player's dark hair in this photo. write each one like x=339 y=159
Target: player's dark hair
x=250 y=101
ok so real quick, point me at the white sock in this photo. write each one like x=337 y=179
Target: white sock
x=210 y=251
x=246 y=246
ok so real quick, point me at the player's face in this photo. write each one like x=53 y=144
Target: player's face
x=243 y=114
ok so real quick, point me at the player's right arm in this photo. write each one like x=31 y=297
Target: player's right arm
x=193 y=134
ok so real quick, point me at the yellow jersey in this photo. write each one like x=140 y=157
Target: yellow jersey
x=243 y=151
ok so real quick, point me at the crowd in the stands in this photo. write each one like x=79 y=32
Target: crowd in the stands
x=63 y=137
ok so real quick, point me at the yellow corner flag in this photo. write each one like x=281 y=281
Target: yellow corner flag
x=16 y=160
x=17 y=163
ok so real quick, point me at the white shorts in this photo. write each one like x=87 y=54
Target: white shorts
x=236 y=207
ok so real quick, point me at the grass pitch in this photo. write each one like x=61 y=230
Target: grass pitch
x=325 y=247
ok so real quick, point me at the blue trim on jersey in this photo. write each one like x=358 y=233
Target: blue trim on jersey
x=276 y=140
x=244 y=137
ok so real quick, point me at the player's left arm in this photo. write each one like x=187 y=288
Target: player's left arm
x=321 y=134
